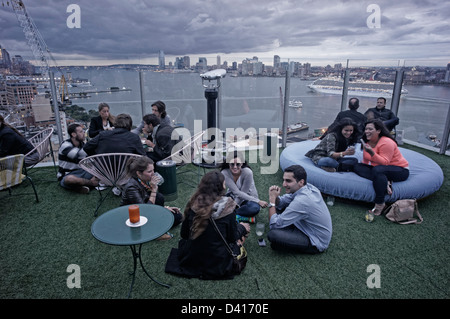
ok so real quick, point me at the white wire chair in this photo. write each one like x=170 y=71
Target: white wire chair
x=192 y=151
x=110 y=169
x=43 y=148
x=186 y=152
x=11 y=173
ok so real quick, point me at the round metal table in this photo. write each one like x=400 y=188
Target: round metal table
x=112 y=228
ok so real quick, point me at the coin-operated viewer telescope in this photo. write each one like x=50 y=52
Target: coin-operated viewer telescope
x=211 y=83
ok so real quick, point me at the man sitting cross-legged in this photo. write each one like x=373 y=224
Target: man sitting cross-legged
x=299 y=220
x=71 y=175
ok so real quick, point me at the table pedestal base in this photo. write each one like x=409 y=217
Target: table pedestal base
x=136 y=256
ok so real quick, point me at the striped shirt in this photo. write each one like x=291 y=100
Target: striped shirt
x=69 y=156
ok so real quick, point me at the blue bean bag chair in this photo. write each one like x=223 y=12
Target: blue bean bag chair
x=425 y=178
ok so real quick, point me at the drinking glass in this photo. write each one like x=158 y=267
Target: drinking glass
x=260 y=229
x=330 y=200
x=369 y=216
x=160 y=178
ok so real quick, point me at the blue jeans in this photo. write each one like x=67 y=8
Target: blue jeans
x=79 y=172
x=380 y=175
x=248 y=209
x=291 y=239
x=348 y=162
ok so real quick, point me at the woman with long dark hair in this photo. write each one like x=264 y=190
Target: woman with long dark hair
x=201 y=251
x=159 y=109
x=241 y=186
x=104 y=121
x=383 y=163
x=339 y=142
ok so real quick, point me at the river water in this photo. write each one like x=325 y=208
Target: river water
x=253 y=101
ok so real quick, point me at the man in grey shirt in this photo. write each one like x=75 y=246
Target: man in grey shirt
x=299 y=220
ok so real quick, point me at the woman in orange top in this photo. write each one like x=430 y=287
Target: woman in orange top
x=382 y=161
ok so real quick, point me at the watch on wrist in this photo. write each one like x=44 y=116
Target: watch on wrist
x=271 y=205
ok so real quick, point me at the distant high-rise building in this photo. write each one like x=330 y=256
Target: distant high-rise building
x=307 y=67
x=218 y=61
x=161 y=60
x=187 y=61
x=447 y=73
x=21 y=67
x=5 y=61
x=258 y=68
x=202 y=64
x=179 y=64
x=276 y=61
x=252 y=66
x=20 y=95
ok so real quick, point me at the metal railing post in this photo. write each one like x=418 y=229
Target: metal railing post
x=141 y=84
x=285 y=108
x=445 y=134
x=55 y=106
x=219 y=106
x=397 y=91
x=345 y=90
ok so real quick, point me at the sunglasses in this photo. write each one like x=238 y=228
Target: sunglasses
x=235 y=164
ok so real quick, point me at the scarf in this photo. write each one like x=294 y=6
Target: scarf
x=219 y=209
x=147 y=186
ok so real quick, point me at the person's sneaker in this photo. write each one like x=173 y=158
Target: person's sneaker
x=83 y=190
x=243 y=219
x=116 y=191
x=100 y=187
x=329 y=169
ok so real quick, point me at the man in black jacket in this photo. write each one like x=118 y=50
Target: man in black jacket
x=118 y=140
x=352 y=113
x=381 y=112
x=162 y=143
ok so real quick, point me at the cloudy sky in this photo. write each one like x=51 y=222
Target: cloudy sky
x=317 y=31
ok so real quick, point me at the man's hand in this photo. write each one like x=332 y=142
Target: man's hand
x=274 y=192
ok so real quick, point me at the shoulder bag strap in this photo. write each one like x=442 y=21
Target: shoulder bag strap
x=416 y=210
x=221 y=236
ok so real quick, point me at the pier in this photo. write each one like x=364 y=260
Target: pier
x=84 y=94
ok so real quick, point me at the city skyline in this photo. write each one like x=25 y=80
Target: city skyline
x=319 y=32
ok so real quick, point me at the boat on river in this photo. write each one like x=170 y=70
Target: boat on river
x=369 y=88
x=295 y=104
x=297 y=127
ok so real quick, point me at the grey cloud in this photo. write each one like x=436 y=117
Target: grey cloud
x=130 y=29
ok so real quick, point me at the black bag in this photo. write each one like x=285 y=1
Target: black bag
x=239 y=261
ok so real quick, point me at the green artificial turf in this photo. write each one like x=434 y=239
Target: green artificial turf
x=38 y=241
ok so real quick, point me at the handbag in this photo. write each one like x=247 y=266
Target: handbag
x=239 y=261
x=403 y=212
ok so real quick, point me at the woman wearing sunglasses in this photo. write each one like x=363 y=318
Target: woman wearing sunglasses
x=241 y=187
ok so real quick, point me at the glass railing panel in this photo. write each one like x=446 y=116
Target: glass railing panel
x=257 y=101
x=423 y=111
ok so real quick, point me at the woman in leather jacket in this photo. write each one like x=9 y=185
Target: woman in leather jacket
x=142 y=188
